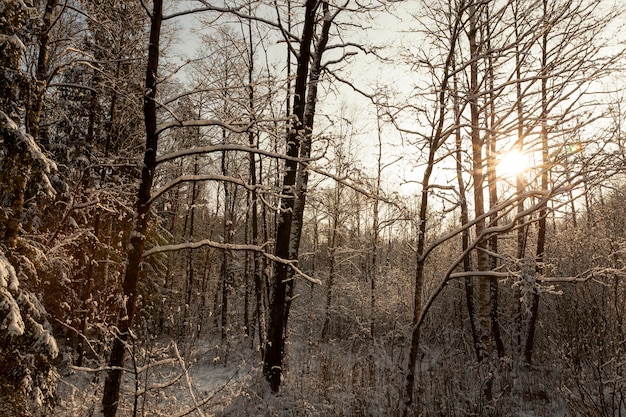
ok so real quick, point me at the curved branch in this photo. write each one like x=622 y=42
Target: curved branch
x=235 y=11
x=198 y=178
x=221 y=148
x=231 y=246
x=239 y=128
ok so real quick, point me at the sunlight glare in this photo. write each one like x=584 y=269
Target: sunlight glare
x=512 y=163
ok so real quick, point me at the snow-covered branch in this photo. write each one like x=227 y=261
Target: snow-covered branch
x=190 y=386
x=221 y=148
x=354 y=187
x=73 y=85
x=338 y=60
x=464 y=274
x=198 y=178
x=235 y=128
x=593 y=274
x=230 y=246
x=140 y=369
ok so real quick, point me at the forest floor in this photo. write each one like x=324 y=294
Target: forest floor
x=164 y=383
x=334 y=381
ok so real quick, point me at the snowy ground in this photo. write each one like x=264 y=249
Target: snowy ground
x=167 y=384
x=326 y=380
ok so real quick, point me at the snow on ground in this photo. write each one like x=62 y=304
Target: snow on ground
x=326 y=380
x=167 y=384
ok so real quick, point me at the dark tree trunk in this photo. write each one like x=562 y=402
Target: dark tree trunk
x=186 y=328
x=85 y=299
x=541 y=232
x=484 y=304
x=275 y=346
x=251 y=232
x=305 y=151
x=18 y=164
x=519 y=184
x=435 y=142
x=259 y=283
x=17 y=171
x=375 y=229
x=465 y=235
x=332 y=255
x=112 y=384
x=227 y=276
x=37 y=95
x=492 y=182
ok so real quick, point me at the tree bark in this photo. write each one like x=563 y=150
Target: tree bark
x=185 y=324
x=259 y=281
x=332 y=255
x=112 y=384
x=37 y=95
x=18 y=169
x=492 y=183
x=275 y=346
x=484 y=288
x=519 y=184
x=375 y=227
x=225 y=267
x=465 y=235
x=434 y=143
x=302 y=179
x=541 y=232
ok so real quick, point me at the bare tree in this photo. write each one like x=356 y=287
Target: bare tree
x=440 y=133
x=111 y=393
x=295 y=180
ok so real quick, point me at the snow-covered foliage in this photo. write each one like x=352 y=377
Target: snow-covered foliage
x=11 y=42
x=31 y=154
x=27 y=345
x=12 y=322
x=14 y=16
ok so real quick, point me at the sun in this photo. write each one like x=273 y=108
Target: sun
x=512 y=163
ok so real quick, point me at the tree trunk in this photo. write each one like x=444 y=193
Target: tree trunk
x=37 y=95
x=112 y=384
x=275 y=346
x=305 y=150
x=86 y=304
x=375 y=229
x=465 y=235
x=18 y=169
x=541 y=232
x=332 y=255
x=259 y=283
x=185 y=328
x=247 y=272
x=434 y=143
x=492 y=182
x=172 y=257
x=484 y=287
x=520 y=185
x=18 y=162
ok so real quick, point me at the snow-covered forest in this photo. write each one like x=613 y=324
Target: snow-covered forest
x=312 y=208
